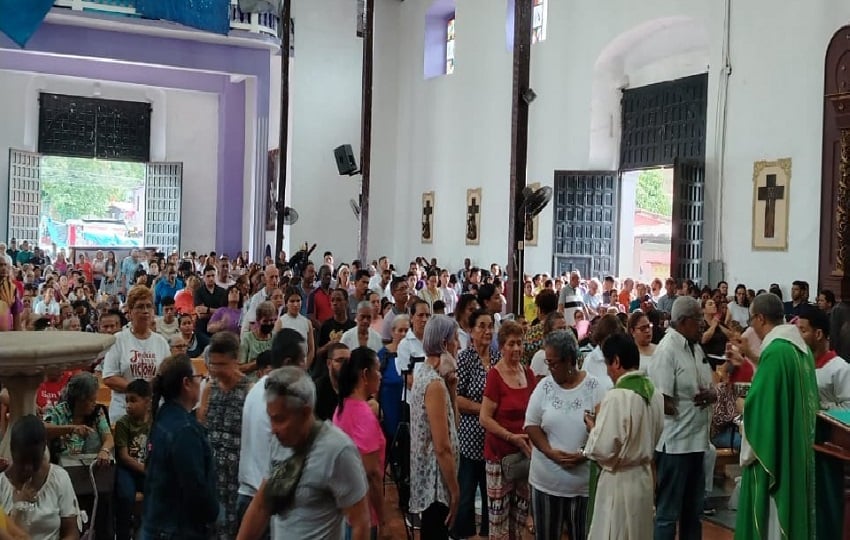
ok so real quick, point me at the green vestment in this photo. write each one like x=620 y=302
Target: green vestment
x=779 y=425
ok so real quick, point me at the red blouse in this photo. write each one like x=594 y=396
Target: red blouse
x=511 y=404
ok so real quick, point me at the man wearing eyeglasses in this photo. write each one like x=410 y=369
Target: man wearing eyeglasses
x=777 y=455
x=679 y=371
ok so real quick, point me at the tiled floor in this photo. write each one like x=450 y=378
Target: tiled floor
x=710 y=531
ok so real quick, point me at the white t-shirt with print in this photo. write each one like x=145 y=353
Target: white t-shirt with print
x=132 y=358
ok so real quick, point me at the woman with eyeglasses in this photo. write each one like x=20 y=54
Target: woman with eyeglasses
x=641 y=331
x=137 y=351
x=181 y=500
x=559 y=474
x=473 y=364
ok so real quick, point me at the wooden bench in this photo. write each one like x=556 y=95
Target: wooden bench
x=725 y=458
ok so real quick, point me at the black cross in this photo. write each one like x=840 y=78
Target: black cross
x=471 y=226
x=770 y=193
x=427 y=210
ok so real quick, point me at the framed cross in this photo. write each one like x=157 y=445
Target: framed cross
x=771 y=198
x=427 y=212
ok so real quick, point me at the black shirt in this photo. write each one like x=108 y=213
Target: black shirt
x=326 y=398
x=213 y=300
x=333 y=329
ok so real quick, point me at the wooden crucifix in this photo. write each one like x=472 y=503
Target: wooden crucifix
x=523 y=27
x=471 y=220
x=427 y=210
x=770 y=193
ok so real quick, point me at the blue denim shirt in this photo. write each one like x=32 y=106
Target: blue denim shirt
x=180 y=491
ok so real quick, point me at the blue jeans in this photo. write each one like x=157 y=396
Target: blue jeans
x=680 y=495
x=471 y=477
x=728 y=438
x=127 y=484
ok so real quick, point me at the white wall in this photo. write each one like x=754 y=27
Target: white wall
x=184 y=127
x=325 y=100
x=453 y=133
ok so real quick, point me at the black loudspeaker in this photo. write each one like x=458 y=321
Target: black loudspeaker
x=345 y=161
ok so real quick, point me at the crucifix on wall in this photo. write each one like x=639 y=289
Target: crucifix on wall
x=473 y=216
x=427 y=235
x=770 y=193
x=771 y=183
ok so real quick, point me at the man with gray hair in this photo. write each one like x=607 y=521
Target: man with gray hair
x=681 y=373
x=777 y=455
x=362 y=335
x=334 y=470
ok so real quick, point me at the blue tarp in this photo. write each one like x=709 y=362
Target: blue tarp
x=19 y=19
x=209 y=15
x=94 y=239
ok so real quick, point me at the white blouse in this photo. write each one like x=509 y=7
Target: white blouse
x=54 y=501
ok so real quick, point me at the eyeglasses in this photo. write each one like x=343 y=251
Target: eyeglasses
x=644 y=327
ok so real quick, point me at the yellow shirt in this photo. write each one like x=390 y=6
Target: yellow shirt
x=529 y=308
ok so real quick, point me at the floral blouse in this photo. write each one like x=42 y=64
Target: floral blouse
x=61 y=415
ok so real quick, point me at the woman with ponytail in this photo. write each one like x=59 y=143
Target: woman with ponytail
x=180 y=492
x=358 y=381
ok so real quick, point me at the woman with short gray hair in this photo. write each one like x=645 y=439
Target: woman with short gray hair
x=559 y=474
x=77 y=424
x=433 y=431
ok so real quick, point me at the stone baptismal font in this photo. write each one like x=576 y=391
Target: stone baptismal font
x=24 y=357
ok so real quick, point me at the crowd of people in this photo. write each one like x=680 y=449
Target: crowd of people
x=251 y=401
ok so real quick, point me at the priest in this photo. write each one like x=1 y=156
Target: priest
x=777 y=458
x=622 y=445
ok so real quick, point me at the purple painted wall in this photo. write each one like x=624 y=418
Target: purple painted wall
x=165 y=54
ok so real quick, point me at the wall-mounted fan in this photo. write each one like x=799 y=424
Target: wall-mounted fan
x=535 y=200
x=355 y=207
x=290 y=215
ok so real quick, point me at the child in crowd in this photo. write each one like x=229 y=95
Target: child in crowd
x=131 y=444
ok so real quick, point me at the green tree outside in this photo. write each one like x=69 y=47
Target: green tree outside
x=75 y=188
x=650 y=195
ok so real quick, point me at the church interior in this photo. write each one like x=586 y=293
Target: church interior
x=601 y=162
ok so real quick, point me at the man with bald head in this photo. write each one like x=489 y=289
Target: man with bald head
x=271 y=278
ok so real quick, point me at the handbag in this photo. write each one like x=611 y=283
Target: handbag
x=285 y=476
x=515 y=467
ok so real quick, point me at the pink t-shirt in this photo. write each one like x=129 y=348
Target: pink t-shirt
x=360 y=423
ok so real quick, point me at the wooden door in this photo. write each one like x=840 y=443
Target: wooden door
x=686 y=243
x=585 y=222
x=835 y=181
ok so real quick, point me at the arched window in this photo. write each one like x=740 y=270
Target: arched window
x=440 y=39
x=538 y=26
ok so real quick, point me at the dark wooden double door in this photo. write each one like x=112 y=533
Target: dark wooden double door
x=663 y=124
x=587 y=214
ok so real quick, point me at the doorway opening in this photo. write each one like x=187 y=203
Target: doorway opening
x=646 y=223
x=90 y=202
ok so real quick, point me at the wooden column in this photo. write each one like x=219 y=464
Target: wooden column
x=366 y=131
x=523 y=10
x=283 y=145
